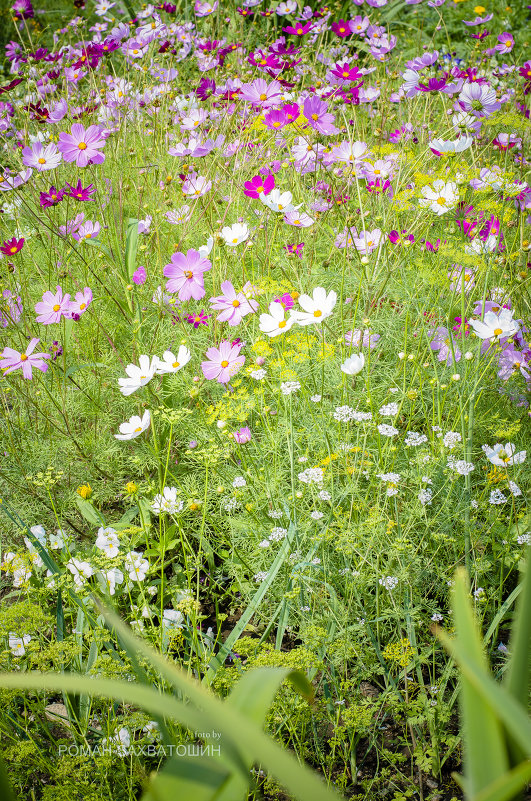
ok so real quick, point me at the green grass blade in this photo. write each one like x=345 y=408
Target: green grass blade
x=485 y=750
x=6 y=791
x=225 y=649
x=131 y=247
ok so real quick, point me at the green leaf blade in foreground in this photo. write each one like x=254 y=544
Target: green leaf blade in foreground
x=486 y=753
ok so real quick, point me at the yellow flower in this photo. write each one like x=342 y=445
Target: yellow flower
x=84 y=491
x=479 y=10
x=131 y=487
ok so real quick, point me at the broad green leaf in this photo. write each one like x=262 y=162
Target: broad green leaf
x=236 y=727
x=507 y=787
x=131 y=247
x=89 y=512
x=485 y=750
x=517 y=675
x=199 y=779
x=510 y=712
x=253 y=695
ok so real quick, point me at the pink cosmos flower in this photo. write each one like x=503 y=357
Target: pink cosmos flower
x=505 y=43
x=140 y=276
x=234 y=305
x=259 y=185
x=243 y=435
x=223 y=362
x=186 y=274
x=81 y=303
x=260 y=93
x=41 y=158
x=317 y=114
x=52 y=307
x=14 y=360
x=82 y=146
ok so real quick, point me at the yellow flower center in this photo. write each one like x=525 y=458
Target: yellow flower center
x=138 y=429
x=82 y=146
x=235 y=303
x=441 y=201
x=56 y=307
x=82 y=306
x=498 y=331
x=224 y=363
x=315 y=117
x=317 y=313
x=176 y=364
x=188 y=274
x=263 y=97
x=235 y=242
x=282 y=324
x=13 y=249
x=23 y=357
x=42 y=161
x=345 y=75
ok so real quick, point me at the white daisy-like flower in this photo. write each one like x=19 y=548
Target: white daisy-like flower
x=138 y=376
x=170 y=363
x=167 y=502
x=135 y=426
x=275 y=323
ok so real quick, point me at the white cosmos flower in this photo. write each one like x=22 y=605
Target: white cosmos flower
x=278 y=201
x=495 y=325
x=504 y=455
x=17 y=644
x=134 y=426
x=275 y=322
x=235 y=234
x=170 y=363
x=446 y=146
x=138 y=376
x=354 y=364
x=440 y=197
x=204 y=250
x=317 y=307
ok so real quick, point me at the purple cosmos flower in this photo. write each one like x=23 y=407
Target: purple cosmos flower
x=276 y=119
x=341 y=28
x=140 y=276
x=78 y=192
x=478 y=99
x=10 y=308
x=52 y=307
x=505 y=43
x=260 y=93
x=243 y=435
x=295 y=250
x=443 y=343
x=14 y=360
x=51 y=198
x=223 y=362
x=285 y=300
x=186 y=274
x=513 y=360
x=461 y=278
x=201 y=318
x=12 y=246
x=317 y=114
x=83 y=146
x=233 y=306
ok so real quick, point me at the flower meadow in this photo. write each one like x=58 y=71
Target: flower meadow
x=265 y=373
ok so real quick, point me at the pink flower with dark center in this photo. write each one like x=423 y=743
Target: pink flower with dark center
x=186 y=274
x=234 y=305
x=223 y=362
x=52 y=307
x=14 y=360
x=82 y=146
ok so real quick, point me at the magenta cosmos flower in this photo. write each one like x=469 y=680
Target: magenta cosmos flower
x=233 y=306
x=82 y=146
x=52 y=307
x=223 y=362
x=186 y=274
x=243 y=435
x=13 y=360
x=259 y=185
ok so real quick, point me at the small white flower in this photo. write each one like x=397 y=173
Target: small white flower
x=138 y=376
x=275 y=323
x=136 y=566
x=316 y=515
x=354 y=364
x=234 y=235
x=17 y=644
x=239 y=481
x=135 y=426
x=108 y=542
x=167 y=502
x=504 y=455
x=317 y=307
x=289 y=387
